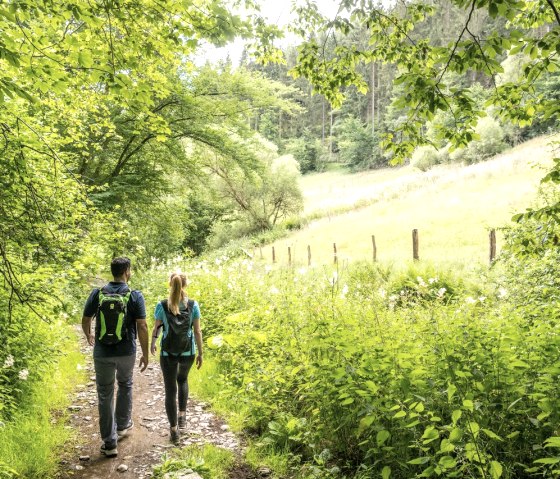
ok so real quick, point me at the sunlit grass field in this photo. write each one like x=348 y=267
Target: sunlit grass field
x=453 y=208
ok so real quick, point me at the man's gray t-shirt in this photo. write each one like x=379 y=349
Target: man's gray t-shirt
x=136 y=309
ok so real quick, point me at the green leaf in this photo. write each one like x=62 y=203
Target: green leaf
x=382 y=437
x=85 y=59
x=548 y=460
x=386 y=472
x=456 y=434
x=492 y=435
x=456 y=415
x=447 y=462
x=553 y=441
x=495 y=469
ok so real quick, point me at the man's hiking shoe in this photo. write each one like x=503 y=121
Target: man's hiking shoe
x=124 y=432
x=174 y=436
x=182 y=422
x=109 y=450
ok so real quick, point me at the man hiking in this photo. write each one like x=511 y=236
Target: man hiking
x=120 y=315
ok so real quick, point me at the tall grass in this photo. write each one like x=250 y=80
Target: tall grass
x=209 y=461
x=453 y=208
x=32 y=442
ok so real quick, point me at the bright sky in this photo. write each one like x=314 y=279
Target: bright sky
x=278 y=12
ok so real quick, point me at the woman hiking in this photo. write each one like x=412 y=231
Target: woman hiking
x=180 y=319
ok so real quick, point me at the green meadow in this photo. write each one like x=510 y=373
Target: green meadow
x=452 y=206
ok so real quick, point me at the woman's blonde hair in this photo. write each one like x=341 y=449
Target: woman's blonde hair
x=177 y=281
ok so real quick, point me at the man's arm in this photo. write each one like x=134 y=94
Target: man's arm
x=86 y=328
x=142 y=327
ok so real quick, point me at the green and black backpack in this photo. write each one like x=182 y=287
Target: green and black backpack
x=178 y=339
x=112 y=317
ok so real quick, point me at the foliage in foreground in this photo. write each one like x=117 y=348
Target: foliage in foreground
x=368 y=372
x=32 y=438
x=209 y=461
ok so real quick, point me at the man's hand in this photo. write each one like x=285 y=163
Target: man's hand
x=199 y=361
x=153 y=348
x=86 y=328
x=143 y=361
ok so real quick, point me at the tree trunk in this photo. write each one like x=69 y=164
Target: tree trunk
x=373 y=98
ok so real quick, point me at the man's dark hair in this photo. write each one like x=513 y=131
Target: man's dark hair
x=119 y=266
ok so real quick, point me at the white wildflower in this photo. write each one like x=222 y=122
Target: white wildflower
x=502 y=292
x=79 y=367
x=274 y=290
x=433 y=280
x=334 y=279
x=470 y=300
x=9 y=362
x=482 y=299
x=344 y=291
x=23 y=374
x=249 y=266
x=302 y=271
x=382 y=293
x=218 y=262
x=421 y=281
x=441 y=292
x=230 y=286
x=217 y=341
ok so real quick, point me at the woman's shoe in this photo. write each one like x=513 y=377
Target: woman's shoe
x=174 y=436
x=182 y=423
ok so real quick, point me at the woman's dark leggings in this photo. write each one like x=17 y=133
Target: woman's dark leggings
x=175 y=371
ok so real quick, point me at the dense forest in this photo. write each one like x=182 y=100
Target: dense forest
x=115 y=141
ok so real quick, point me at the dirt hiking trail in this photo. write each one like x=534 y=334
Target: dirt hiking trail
x=145 y=445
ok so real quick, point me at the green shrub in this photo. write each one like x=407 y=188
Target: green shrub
x=427 y=380
x=425 y=157
x=308 y=152
x=490 y=142
x=358 y=147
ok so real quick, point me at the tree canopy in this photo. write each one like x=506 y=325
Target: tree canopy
x=425 y=68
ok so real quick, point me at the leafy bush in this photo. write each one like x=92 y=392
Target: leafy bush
x=309 y=153
x=358 y=147
x=489 y=143
x=448 y=378
x=425 y=157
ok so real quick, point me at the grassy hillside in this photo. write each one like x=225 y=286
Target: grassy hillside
x=453 y=208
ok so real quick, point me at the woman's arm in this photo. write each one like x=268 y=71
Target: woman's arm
x=158 y=323
x=198 y=339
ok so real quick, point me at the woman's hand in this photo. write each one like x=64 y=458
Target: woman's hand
x=153 y=348
x=199 y=361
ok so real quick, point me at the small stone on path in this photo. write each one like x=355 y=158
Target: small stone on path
x=264 y=471
x=122 y=468
x=84 y=458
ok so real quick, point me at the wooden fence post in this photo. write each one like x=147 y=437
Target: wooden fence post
x=308 y=255
x=289 y=256
x=335 y=256
x=374 y=248
x=492 y=245
x=415 y=246
x=273 y=255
